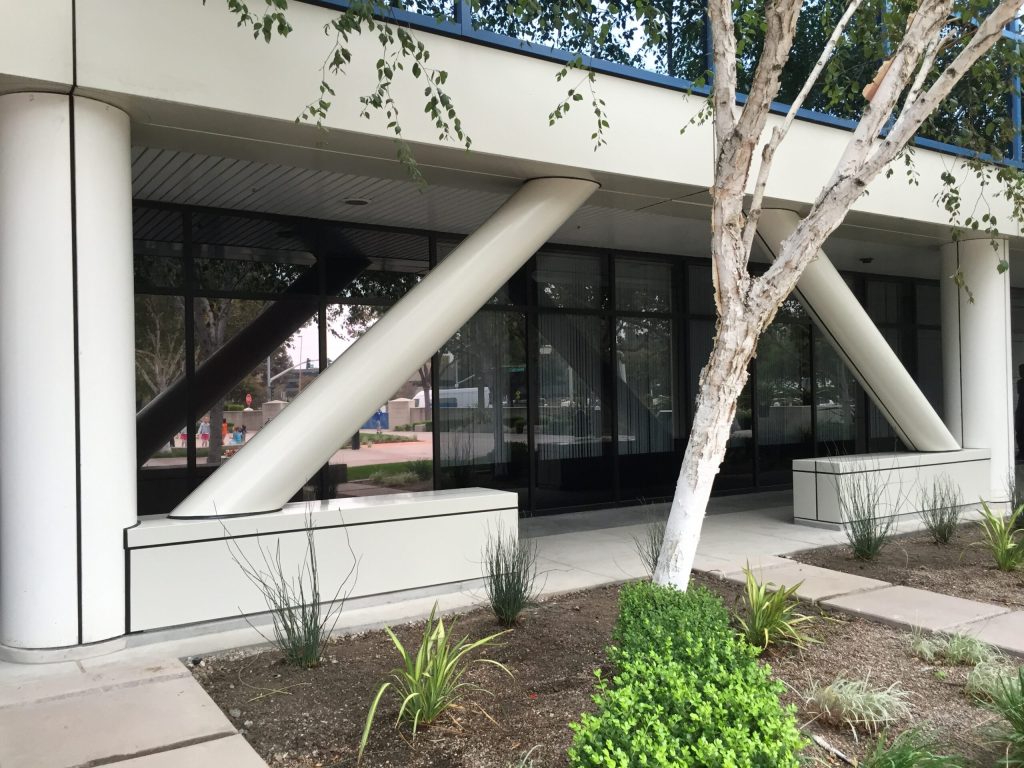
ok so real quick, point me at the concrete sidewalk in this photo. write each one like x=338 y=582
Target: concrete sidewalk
x=141 y=708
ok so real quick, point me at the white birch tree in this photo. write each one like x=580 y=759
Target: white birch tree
x=938 y=45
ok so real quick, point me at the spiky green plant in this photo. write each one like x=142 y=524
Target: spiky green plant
x=648 y=544
x=860 y=506
x=912 y=748
x=429 y=681
x=941 y=506
x=770 y=616
x=510 y=574
x=1007 y=700
x=1000 y=537
x=856 y=705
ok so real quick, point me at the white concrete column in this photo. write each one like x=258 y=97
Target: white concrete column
x=67 y=479
x=976 y=359
x=285 y=453
x=851 y=332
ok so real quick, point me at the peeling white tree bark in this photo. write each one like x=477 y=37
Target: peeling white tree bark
x=747 y=305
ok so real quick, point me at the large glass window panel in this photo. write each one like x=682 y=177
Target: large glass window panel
x=573 y=429
x=783 y=400
x=929 y=304
x=699 y=290
x=645 y=407
x=482 y=405
x=158 y=247
x=886 y=301
x=570 y=281
x=643 y=286
x=738 y=466
x=836 y=401
x=392 y=452
x=929 y=366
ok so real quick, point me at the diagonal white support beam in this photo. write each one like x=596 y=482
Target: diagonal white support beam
x=286 y=452
x=857 y=340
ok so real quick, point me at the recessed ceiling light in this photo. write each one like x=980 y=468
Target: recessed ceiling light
x=356 y=201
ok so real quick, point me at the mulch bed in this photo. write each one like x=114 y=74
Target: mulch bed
x=960 y=568
x=304 y=718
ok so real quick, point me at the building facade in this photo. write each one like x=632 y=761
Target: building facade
x=185 y=270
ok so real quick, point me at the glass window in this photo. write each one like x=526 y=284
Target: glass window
x=571 y=281
x=886 y=301
x=482 y=405
x=643 y=286
x=928 y=304
x=783 y=400
x=837 y=395
x=700 y=291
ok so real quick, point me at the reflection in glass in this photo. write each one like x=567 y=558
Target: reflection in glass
x=571 y=281
x=645 y=399
x=837 y=394
x=573 y=430
x=482 y=405
x=783 y=399
x=643 y=286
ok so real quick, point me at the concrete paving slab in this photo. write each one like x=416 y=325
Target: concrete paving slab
x=1005 y=631
x=818 y=583
x=731 y=567
x=906 y=606
x=102 y=725
x=230 y=752
x=92 y=675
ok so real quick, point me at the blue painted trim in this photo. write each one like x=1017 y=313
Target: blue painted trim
x=461 y=27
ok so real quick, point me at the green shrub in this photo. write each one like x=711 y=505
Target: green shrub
x=422 y=468
x=393 y=479
x=769 y=617
x=510 y=571
x=986 y=678
x=648 y=611
x=1000 y=537
x=940 y=509
x=688 y=692
x=913 y=748
x=430 y=680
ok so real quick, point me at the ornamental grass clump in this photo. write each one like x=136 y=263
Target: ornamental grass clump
x=1001 y=538
x=303 y=620
x=986 y=678
x=510 y=574
x=688 y=692
x=856 y=705
x=648 y=544
x=860 y=505
x=912 y=748
x=1006 y=699
x=770 y=616
x=429 y=681
x=941 y=506
x=957 y=649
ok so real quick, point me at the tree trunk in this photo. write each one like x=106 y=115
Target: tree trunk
x=721 y=383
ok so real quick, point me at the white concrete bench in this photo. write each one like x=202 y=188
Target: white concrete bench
x=905 y=475
x=182 y=571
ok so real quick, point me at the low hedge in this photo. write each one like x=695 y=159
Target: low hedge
x=688 y=692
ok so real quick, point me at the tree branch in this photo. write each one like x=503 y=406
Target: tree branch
x=779 y=132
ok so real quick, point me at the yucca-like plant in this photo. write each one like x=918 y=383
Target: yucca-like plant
x=648 y=544
x=1001 y=538
x=510 y=574
x=860 y=505
x=768 y=616
x=913 y=748
x=429 y=681
x=941 y=505
x=855 y=704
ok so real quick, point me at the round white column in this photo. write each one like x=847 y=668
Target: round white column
x=976 y=360
x=106 y=360
x=67 y=492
